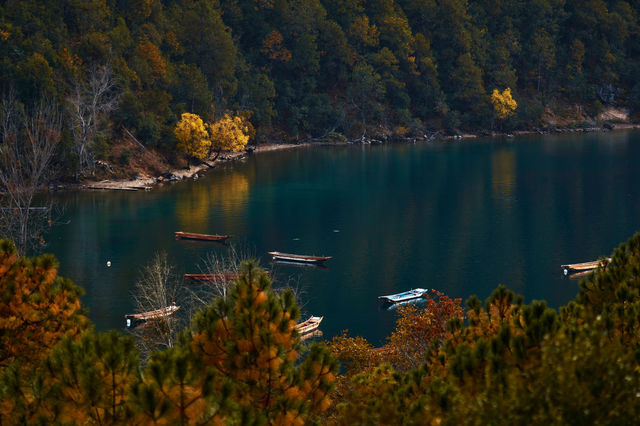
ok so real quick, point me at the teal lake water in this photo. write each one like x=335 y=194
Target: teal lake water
x=459 y=217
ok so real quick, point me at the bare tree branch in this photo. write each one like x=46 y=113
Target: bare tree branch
x=29 y=142
x=89 y=103
x=157 y=288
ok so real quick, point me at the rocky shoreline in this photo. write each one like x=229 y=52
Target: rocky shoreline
x=144 y=182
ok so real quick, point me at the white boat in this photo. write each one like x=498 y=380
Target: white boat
x=309 y=325
x=416 y=293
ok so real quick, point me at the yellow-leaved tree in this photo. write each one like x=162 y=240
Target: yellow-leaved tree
x=229 y=134
x=503 y=103
x=193 y=137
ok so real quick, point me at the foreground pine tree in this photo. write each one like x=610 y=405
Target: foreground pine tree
x=250 y=342
x=37 y=307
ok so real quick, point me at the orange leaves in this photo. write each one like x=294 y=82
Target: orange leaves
x=241 y=355
x=175 y=389
x=37 y=307
x=70 y=62
x=273 y=49
x=356 y=354
x=416 y=329
x=152 y=55
x=261 y=297
x=363 y=32
x=257 y=352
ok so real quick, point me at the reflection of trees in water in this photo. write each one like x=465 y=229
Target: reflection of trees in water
x=229 y=192
x=503 y=177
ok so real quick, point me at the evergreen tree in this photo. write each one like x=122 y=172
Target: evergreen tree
x=37 y=307
x=249 y=341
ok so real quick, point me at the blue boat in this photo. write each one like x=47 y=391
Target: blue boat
x=416 y=293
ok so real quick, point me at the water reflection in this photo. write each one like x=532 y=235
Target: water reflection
x=228 y=194
x=503 y=175
x=461 y=218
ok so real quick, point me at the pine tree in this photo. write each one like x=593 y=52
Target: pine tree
x=37 y=307
x=250 y=342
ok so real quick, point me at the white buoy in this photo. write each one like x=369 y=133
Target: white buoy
x=108 y=263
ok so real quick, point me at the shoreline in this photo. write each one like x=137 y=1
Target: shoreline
x=146 y=183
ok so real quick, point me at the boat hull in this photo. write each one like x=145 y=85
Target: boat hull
x=134 y=319
x=297 y=258
x=309 y=326
x=581 y=268
x=200 y=237
x=416 y=293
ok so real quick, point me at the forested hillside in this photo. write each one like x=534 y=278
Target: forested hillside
x=305 y=68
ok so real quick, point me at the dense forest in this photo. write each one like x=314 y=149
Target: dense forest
x=241 y=360
x=301 y=69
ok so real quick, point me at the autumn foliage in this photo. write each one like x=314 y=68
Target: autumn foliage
x=417 y=329
x=198 y=139
x=241 y=360
x=273 y=49
x=250 y=339
x=37 y=307
x=503 y=103
x=229 y=133
x=513 y=363
x=192 y=135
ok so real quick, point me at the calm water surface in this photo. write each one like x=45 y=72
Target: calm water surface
x=460 y=217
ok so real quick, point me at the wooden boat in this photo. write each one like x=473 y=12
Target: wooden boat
x=145 y=316
x=200 y=237
x=213 y=277
x=297 y=258
x=210 y=277
x=573 y=268
x=309 y=325
x=416 y=293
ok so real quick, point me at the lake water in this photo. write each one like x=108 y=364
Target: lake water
x=460 y=217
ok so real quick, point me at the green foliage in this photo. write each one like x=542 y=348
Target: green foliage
x=249 y=341
x=37 y=307
x=514 y=363
x=310 y=67
x=240 y=362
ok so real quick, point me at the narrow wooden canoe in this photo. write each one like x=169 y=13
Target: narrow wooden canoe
x=145 y=316
x=200 y=237
x=416 y=293
x=309 y=325
x=573 y=268
x=213 y=277
x=210 y=277
x=298 y=258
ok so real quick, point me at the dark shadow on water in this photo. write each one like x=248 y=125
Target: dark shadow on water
x=300 y=264
x=386 y=306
